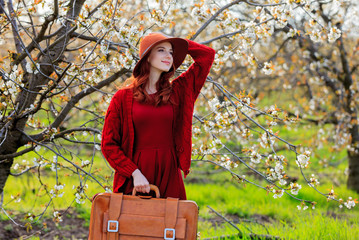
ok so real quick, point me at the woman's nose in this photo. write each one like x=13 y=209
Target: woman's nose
x=168 y=55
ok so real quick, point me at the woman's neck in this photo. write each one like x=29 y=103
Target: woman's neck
x=152 y=80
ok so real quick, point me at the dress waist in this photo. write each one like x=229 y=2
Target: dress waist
x=158 y=146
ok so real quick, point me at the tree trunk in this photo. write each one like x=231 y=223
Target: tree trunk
x=4 y=173
x=9 y=146
x=351 y=108
x=10 y=134
x=353 y=155
x=353 y=177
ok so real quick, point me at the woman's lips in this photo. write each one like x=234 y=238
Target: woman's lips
x=168 y=63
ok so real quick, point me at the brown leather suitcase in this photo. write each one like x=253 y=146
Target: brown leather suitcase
x=117 y=216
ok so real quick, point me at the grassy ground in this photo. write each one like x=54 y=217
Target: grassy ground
x=238 y=203
x=250 y=208
x=280 y=217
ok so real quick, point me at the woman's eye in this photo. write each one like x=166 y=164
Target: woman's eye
x=161 y=50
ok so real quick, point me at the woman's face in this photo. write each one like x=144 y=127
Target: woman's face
x=161 y=57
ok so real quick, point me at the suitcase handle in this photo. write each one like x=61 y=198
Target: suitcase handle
x=152 y=187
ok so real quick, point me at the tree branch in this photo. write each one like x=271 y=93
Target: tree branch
x=18 y=43
x=40 y=37
x=214 y=17
x=73 y=101
x=82 y=129
x=95 y=39
x=17 y=154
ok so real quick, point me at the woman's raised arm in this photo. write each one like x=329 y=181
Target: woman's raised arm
x=194 y=78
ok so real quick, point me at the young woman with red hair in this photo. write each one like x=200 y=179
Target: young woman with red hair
x=147 y=134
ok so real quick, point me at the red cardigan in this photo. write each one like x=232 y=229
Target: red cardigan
x=118 y=133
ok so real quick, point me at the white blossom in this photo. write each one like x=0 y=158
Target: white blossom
x=303 y=159
x=57 y=216
x=278 y=167
x=214 y=104
x=278 y=193
x=53 y=132
x=79 y=198
x=55 y=192
x=268 y=68
x=16 y=198
x=294 y=188
x=54 y=165
x=313 y=181
x=292 y=32
x=30 y=217
x=59 y=187
x=350 y=203
x=334 y=34
x=266 y=140
x=16 y=166
x=315 y=35
x=255 y=157
x=85 y=163
x=226 y=162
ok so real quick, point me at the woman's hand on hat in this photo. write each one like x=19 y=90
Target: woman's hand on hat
x=140 y=182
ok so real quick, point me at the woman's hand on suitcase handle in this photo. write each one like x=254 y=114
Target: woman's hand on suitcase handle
x=140 y=182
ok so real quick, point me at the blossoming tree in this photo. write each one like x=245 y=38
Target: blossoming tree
x=64 y=57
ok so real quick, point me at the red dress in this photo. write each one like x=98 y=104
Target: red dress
x=154 y=152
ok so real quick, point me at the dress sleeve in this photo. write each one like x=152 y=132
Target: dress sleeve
x=194 y=78
x=111 y=141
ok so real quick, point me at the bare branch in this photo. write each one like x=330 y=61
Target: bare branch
x=43 y=95
x=96 y=8
x=73 y=101
x=35 y=42
x=21 y=173
x=112 y=45
x=233 y=33
x=225 y=219
x=72 y=130
x=17 y=154
x=214 y=17
x=18 y=42
x=240 y=234
x=63 y=157
x=204 y=26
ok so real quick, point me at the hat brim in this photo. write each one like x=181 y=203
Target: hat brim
x=180 y=50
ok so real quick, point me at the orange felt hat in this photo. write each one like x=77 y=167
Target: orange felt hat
x=179 y=45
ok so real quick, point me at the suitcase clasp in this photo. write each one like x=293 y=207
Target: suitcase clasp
x=172 y=234
x=110 y=226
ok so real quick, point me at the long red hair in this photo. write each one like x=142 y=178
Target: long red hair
x=163 y=85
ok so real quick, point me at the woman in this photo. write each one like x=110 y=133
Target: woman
x=147 y=134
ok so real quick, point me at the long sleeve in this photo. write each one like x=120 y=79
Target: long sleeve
x=111 y=141
x=186 y=89
x=194 y=78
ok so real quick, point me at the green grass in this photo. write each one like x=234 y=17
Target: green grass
x=233 y=200
x=236 y=201
x=34 y=195
x=282 y=216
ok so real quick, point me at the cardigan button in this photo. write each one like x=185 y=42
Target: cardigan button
x=179 y=148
